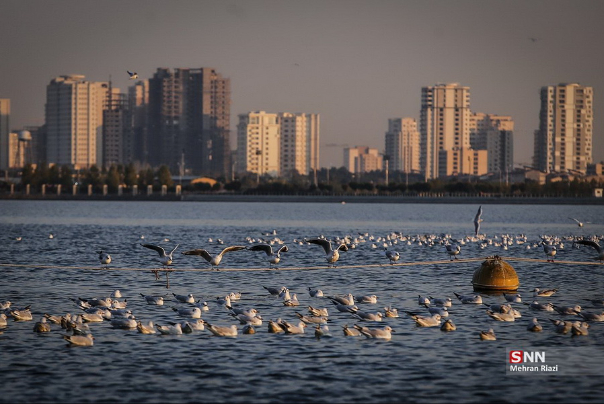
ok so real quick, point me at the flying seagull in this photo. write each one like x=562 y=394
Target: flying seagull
x=104 y=258
x=133 y=75
x=579 y=223
x=213 y=260
x=273 y=256
x=595 y=245
x=165 y=259
x=331 y=255
x=477 y=221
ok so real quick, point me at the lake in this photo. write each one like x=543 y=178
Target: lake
x=419 y=364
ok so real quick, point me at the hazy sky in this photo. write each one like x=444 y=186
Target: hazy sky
x=356 y=63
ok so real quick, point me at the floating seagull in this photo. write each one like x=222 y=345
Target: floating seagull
x=184 y=298
x=79 y=340
x=469 y=299
x=291 y=328
x=572 y=310
x=543 y=292
x=42 y=326
x=579 y=223
x=322 y=331
x=190 y=312
x=133 y=75
x=312 y=319
x=446 y=302
x=165 y=259
x=441 y=311
x=378 y=333
x=156 y=300
x=104 y=258
x=579 y=328
x=331 y=255
x=477 y=221
x=595 y=245
x=448 y=325
x=366 y=299
x=513 y=298
x=222 y=331
x=592 y=316
x=501 y=316
x=315 y=292
x=453 y=250
x=322 y=312
x=364 y=316
x=393 y=256
x=424 y=321
x=390 y=312
x=488 y=335
x=175 y=329
x=216 y=259
x=562 y=327
x=273 y=256
x=538 y=306
x=145 y=328
x=350 y=332
x=274 y=291
x=534 y=325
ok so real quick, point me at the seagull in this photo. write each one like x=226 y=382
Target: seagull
x=156 y=300
x=446 y=302
x=213 y=260
x=453 y=250
x=190 y=312
x=350 y=332
x=477 y=221
x=538 y=306
x=448 y=325
x=274 y=291
x=42 y=326
x=562 y=327
x=315 y=292
x=501 y=316
x=440 y=310
x=579 y=223
x=184 y=298
x=534 y=325
x=222 y=331
x=322 y=331
x=468 y=299
x=513 y=298
x=393 y=256
x=423 y=321
x=175 y=329
x=579 y=328
x=318 y=312
x=549 y=250
x=378 y=333
x=273 y=256
x=312 y=319
x=390 y=312
x=165 y=259
x=488 y=335
x=544 y=292
x=79 y=340
x=292 y=301
x=133 y=75
x=331 y=255
x=104 y=258
x=595 y=245
x=592 y=316
x=366 y=299
x=145 y=328
x=364 y=316
x=572 y=310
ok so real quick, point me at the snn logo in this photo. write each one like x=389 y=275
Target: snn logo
x=523 y=357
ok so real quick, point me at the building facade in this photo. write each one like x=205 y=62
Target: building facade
x=361 y=159
x=138 y=104
x=4 y=133
x=444 y=125
x=74 y=121
x=189 y=119
x=117 y=142
x=259 y=143
x=403 y=145
x=495 y=134
x=563 y=142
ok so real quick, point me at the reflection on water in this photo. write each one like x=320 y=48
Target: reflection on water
x=418 y=364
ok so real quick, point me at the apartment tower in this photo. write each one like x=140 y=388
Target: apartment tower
x=402 y=145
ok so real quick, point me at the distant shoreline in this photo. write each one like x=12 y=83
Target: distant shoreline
x=342 y=199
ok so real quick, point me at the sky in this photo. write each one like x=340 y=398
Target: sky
x=357 y=63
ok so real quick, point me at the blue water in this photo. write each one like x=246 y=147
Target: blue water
x=417 y=364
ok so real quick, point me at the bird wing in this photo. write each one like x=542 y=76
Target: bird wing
x=478 y=214
x=200 y=252
x=572 y=218
x=157 y=248
x=343 y=247
x=232 y=248
x=283 y=248
x=262 y=247
x=591 y=244
x=174 y=249
x=326 y=244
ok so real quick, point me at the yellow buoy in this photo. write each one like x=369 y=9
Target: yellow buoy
x=495 y=275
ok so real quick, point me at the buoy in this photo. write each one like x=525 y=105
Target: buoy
x=495 y=274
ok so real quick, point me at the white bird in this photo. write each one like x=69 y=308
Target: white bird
x=133 y=75
x=244 y=310
x=315 y=292
x=572 y=310
x=92 y=317
x=390 y=312
x=274 y=257
x=579 y=328
x=190 y=312
x=322 y=331
x=469 y=299
x=543 y=292
x=446 y=302
x=274 y=327
x=42 y=326
x=543 y=307
x=488 y=335
x=293 y=301
x=350 y=332
x=248 y=319
x=175 y=329
x=248 y=329
x=274 y=291
x=392 y=256
x=222 y=331
x=377 y=333
x=550 y=251
x=592 y=316
x=116 y=294
x=421 y=300
x=104 y=258
x=365 y=316
x=344 y=308
x=595 y=245
x=579 y=223
x=312 y=319
x=293 y=329
x=5 y=305
x=184 y=298
x=331 y=255
x=346 y=300
x=125 y=323
x=448 y=325
x=366 y=299
x=21 y=315
x=562 y=327
x=79 y=340
x=165 y=259
x=453 y=250
x=215 y=260
x=145 y=328
x=424 y=321
x=513 y=298
x=156 y=300
x=322 y=312
x=501 y=316
x=534 y=325
x=477 y=221
x=3 y=322
x=440 y=310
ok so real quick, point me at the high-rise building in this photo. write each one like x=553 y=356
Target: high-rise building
x=137 y=147
x=4 y=133
x=74 y=121
x=362 y=159
x=313 y=126
x=444 y=125
x=563 y=141
x=402 y=145
x=189 y=114
x=258 y=143
x=494 y=133
x=299 y=143
x=116 y=130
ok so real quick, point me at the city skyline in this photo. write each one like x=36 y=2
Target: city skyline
x=355 y=63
